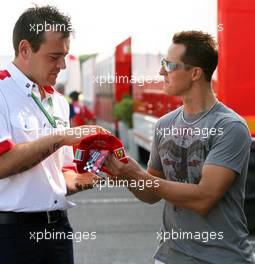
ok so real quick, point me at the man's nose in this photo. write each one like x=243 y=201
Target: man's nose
x=162 y=71
x=61 y=63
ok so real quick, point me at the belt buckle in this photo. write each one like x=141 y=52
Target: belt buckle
x=50 y=219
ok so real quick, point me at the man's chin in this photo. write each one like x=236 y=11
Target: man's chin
x=167 y=90
x=170 y=90
x=51 y=82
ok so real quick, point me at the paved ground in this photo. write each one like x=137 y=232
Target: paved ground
x=126 y=229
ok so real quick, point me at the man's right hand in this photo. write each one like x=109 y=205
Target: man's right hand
x=29 y=154
x=73 y=136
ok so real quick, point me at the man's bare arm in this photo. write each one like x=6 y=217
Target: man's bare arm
x=200 y=198
x=133 y=167
x=146 y=195
x=25 y=156
x=76 y=182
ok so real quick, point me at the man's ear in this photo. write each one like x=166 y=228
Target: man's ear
x=24 y=49
x=197 y=73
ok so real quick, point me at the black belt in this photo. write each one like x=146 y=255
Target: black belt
x=49 y=217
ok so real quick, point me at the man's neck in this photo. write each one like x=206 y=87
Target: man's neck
x=42 y=92
x=199 y=99
x=22 y=68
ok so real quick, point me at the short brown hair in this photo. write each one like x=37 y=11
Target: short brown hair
x=35 y=16
x=201 y=50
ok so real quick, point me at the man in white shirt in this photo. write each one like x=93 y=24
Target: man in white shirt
x=36 y=169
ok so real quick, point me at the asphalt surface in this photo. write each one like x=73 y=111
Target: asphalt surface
x=117 y=228
x=126 y=229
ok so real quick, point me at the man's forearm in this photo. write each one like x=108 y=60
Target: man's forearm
x=25 y=156
x=190 y=196
x=69 y=179
x=145 y=195
x=200 y=198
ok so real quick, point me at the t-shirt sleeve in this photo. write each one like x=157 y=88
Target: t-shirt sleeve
x=154 y=160
x=232 y=148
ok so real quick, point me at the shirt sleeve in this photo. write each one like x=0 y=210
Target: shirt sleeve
x=68 y=150
x=6 y=142
x=5 y=146
x=154 y=160
x=68 y=159
x=232 y=148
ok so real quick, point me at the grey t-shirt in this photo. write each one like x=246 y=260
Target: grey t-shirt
x=181 y=146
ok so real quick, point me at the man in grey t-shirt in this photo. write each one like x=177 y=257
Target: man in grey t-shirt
x=198 y=163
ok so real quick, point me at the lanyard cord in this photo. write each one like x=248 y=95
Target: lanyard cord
x=47 y=115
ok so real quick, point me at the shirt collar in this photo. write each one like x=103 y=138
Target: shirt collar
x=23 y=82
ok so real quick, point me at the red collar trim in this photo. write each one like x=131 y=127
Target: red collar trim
x=48 y=89
x=4 y=74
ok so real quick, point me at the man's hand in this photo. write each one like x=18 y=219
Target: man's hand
x=76 y=182
x=132 y=171
x=73 y=136
x=25 y=156
x=120 y=170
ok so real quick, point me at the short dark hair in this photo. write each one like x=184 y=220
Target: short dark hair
x=74 y=95
x=34 y=16
x=201 y=50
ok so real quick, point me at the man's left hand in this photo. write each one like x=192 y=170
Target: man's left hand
x=120 y=170
x=76 y=182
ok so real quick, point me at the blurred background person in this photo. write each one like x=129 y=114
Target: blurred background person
x=79 y=112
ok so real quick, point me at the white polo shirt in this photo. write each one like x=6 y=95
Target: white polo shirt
x=43 y=187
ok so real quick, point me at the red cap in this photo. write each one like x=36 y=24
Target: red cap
x=98 y=142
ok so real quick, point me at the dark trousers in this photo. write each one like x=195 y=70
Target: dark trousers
x=36 y=243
